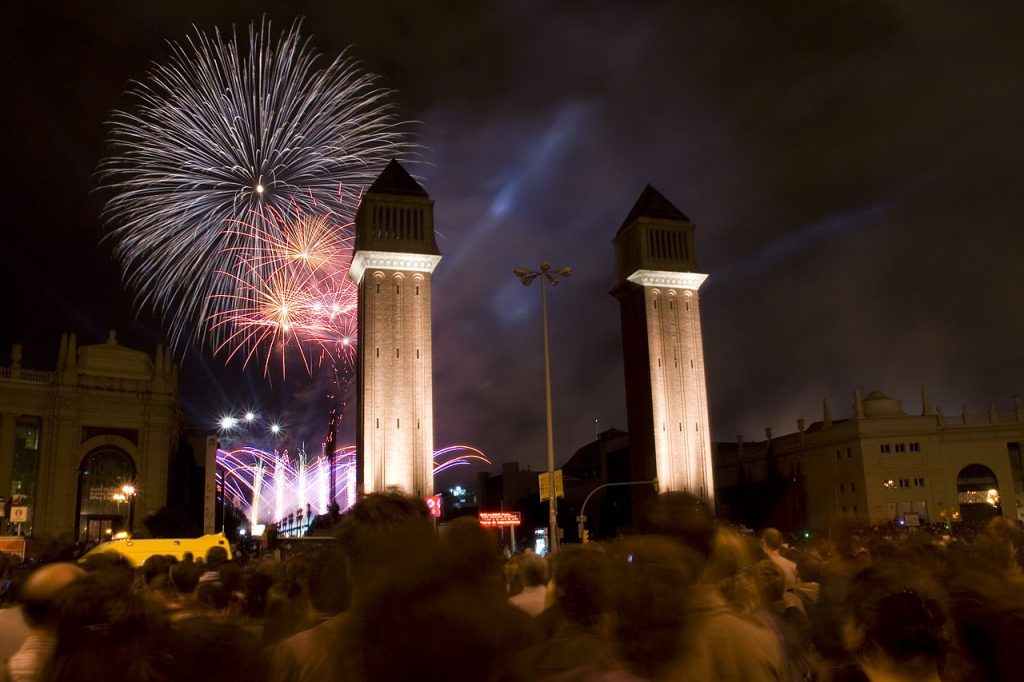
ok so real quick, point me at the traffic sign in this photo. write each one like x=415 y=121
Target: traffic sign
x=545 y=485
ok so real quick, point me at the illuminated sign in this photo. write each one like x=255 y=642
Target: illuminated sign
x=434 y=505
x=496 y=519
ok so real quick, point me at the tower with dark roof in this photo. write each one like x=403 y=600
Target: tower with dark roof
x=395 y=255
x=658 y=285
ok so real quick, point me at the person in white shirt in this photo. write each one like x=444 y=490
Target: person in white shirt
x=771 y=544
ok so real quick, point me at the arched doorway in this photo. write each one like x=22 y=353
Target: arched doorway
x=103 y=509
x=978 y=493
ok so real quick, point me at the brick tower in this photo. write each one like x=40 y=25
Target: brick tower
x=394 y=257
x=657 y=285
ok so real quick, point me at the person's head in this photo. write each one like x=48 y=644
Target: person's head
x=581 y=576
x=533 y=569
x=375 y=526
x=216 y=556
x=154 y=571
x=329 y=588
x=41 y=590
x=651 y=582
x=771 y=539
x=894 y=617
x=770 y=580
x=105 y=632
x=430 y=613
x=184 y=577
x=730 y=553
x=684 y=518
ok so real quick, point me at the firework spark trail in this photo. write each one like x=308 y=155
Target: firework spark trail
x=222 y=141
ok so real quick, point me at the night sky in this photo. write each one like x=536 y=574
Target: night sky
x=855 y=171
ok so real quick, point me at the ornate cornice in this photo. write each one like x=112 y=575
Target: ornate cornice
x=666 y=278
x=391 y=260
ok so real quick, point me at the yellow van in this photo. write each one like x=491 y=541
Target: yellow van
x=138 y=550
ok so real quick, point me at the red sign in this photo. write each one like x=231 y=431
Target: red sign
x=496 y=519
x=434 y=505
x=13 y=545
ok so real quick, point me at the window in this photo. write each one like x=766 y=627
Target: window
x=849 y=453
x=919 y=482
x=915 y=447
x=904 y=482
x=853 y=487
x=901 y=447
x=885 y=448
x=838 y=455
x=842 y=487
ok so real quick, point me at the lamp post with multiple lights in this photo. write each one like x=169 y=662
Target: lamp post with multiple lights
x=551 y=277
x=127 y=494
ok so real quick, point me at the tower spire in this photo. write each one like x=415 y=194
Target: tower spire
x=658 y=287
x=395 y=256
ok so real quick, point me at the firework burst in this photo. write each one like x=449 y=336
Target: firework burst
x=291 y=291
x=223 y=143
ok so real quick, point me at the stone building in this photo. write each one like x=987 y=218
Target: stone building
x=658 y=285
x=72 y=438
x=878 y=465
x=395 y=255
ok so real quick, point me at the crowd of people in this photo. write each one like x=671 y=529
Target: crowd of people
x=391 y=598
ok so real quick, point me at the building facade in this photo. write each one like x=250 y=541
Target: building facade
x=395 y=255
x=658 y=287
x=877 y=466
x=72 y=438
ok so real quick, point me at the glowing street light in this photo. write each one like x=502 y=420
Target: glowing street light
x=547 y=277
x=127 y=494
x=228 y=423
x=250 y=417
x=275 y=429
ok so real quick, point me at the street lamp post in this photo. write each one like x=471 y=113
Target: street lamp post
x=119 y=498
x=128 y=490
x=547 y=276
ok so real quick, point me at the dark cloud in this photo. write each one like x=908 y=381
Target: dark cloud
x=853 y=169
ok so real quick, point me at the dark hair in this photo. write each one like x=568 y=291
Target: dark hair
x=581 y=582
x=652 y=578
x=683 y=517
x=367 y=529
x=901 y=611
x=204 y=649
x=213 y=595
x=422 y=618
x=105 y=632
x=329 y=588
x=154 y=567
x=533 y=569
x=215 y=556
x=185 y=577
